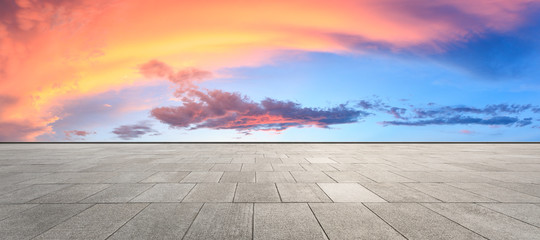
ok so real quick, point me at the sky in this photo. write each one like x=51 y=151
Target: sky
x=282 y=70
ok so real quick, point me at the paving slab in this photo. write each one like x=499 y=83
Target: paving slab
x=165 y=177
x=165 y=192
x=97 y=222
x=238 y=177
x=529 y=213
x=312 y=177
x=415 y=221
x=198 y=177
x=497 y=193
x=287 y=167
x=118 y=193
x=211 y=192
x=223 y=221
x=274 y=177
x=285 y=221
x=352 y=221
x=397 y=192
x=301 y=192
x=36 y=220
x=30 y=193
x=71 y=194
x=347 y=176
x=484 y=221
x=226 y=167
x=258 y=167
x=384 y=176
x=160 y=221
x=7 y=210
x=256 y=192
x=448 y=193
x=349 y=192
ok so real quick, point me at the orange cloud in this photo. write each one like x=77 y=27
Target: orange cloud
x=52 y=50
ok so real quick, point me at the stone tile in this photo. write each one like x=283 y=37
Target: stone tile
x=37 y=220
x=128 y=177
x=464 y=177
x=238 y=177
x=318 y=167
x=71 y=194
x=385 y=176
x=268 y=160
x=282 y=221
x=418 y=222
x=274 y=177
x=352 y=221
x=301 y=192
x=7 y=210
x=118 y=193
x=320 y=160
x=165 y=177
x=287 y=167
x=165 y=192
x=397 y=192
x=257 y=167
x=447 y=193
x=486 y=222
x=211 y=192
x=349 y=192
x=529 y=213
x=312 y=177
x=527 y=188
x=198 y=177
x=496 y=193
x=347 y=176
x=223 y=221
x=160 y=221
x=256 y=192
x=423 y=177
x=228 y=167
x=30 y=193
x=97 y=222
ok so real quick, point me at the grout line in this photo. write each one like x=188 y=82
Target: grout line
x=319 y=222
x=384 y=221
x=191 y=224
x=147 y=204
x=422 y=204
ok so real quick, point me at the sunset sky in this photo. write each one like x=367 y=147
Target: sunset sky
x=294 y=70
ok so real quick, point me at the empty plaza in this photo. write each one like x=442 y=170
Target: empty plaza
x=270 y=191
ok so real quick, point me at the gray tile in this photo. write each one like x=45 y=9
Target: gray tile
x=222 y=221
x=238 y=177
x=397 y=192
x=317 y=167
x=486 y=222
x=274 y=177
x=424 y=177
x=226 y=167
x=496 y=193
x=418 y=222
x=349 y=192
x=347 y=176
x=385 y=176
x=118 y=193
x=312 y=177
x=37 y=220
x=170 y=177
x=97 y=222
x=301 y=192
x=320 y=160
x=197 y=177
x=352 y=221
x=287 y=167
x=128 y=177
x=257 y=167
x=447 y=193
x=71 y=194
x=211 y=192
x=165 y=192
x=31 y=192
x=527 y=188
x=160 y=221
x=7 y=210
x=529 y=213
x=285 y=221
x=256 y=192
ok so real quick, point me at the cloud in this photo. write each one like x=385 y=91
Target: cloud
x=216 y=109
x=77 y=134
x=21 y=130
x=455 y=120
x=493 y=109
x=185 y=78
x=128 y=132
x=465 y=131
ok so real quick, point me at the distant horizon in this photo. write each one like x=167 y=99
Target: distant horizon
x=271 y=71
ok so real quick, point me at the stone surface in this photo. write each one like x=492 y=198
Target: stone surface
x=269 y=191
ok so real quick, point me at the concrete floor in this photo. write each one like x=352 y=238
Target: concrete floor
x=269 y=191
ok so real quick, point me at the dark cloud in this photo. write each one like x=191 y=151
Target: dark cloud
x=492 y=110
x=128 y=132
x=455 y=121
x=217 y=109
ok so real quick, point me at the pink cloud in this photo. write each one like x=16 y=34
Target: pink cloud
x=77 y=134
x=465 y=131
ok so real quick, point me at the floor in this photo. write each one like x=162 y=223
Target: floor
x=270 y=191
